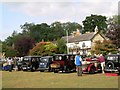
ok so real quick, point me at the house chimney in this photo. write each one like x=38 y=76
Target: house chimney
x=78 y=32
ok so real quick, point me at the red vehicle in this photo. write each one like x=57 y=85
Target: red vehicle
x=91 y=66
x=63 y=62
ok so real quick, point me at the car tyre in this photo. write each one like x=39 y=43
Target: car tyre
x=92 y=70
x=109 y=65
x=41 y=70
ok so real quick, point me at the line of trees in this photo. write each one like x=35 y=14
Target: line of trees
x=20 y=44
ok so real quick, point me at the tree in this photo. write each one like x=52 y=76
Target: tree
x=104 y=47
x=43 y=49
x=11 y=52
x=24 y=44
x=26 y=28
x=11 y=39
x=113 y=32
x=47 y=32
x=0 y=46
x=37 y=31
x=71 y=26
x=51 y=48
x=94 y=20
x=62 y=48
x=57 y=30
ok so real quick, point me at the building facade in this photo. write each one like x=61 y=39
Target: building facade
x=83 y=43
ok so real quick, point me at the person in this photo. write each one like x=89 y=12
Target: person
x=78 y=64
x=10 y=62
x=102 y=61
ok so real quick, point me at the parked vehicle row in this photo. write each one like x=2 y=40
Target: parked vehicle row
x=58 y=63
x=65 y=63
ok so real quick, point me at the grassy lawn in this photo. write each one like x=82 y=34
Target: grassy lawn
x=20 y=79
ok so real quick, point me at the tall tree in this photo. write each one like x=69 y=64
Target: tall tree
x=95 y=20
x=26 y=28
x=57 y=30
x=11 y=39
x=113 y=32
x=71 y=26
x=62 y=48
x=24 y=44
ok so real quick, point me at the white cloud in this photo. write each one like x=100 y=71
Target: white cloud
x=68 y=8
x=65 y=9
x=62 y=10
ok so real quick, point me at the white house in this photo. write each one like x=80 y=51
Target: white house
x=83 y=42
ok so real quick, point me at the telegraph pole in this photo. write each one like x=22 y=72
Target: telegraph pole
x=67 y=41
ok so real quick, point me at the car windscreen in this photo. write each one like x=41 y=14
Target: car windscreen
x=58 y=57
x=113 y=58
x=26 y=58
x=44 y=60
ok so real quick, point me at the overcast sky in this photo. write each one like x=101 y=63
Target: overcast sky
x=14 y=13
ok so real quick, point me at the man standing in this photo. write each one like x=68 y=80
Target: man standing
x=78 y=64
x=10 y=62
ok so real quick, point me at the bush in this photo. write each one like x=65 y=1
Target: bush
x=44 y=49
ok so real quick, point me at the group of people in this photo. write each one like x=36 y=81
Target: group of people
x=10 y=63
x=78 y=63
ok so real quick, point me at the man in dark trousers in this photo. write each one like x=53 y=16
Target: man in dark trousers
x=78 y=64
x=10 y=62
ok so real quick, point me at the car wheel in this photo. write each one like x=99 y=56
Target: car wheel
x=41 y=70
x=109 y=65
x=32 y=69
x=92 y=70
x=55 y=71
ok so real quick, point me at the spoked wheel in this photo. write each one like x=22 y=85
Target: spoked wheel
x=32 y=69
x=109 y=65
x=92 y=70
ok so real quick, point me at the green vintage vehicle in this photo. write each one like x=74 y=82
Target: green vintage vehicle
x=30 y=63
x=112 y=63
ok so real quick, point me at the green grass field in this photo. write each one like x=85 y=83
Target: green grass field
x=20 y=79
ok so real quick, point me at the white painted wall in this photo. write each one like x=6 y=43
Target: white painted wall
x=87 y=44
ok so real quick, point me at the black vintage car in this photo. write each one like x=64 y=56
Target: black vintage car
x=30 y=63
x=45 y=63
x=63 y=62
x=112 y=63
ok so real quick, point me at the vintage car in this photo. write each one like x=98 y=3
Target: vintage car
x=30 y=63
x=45 y=63
x=112 y=64
x=91 y=65
x=63 y=62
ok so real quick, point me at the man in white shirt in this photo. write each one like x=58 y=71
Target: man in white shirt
x=9 y=62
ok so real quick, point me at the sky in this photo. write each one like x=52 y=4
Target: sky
x=14 y=13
